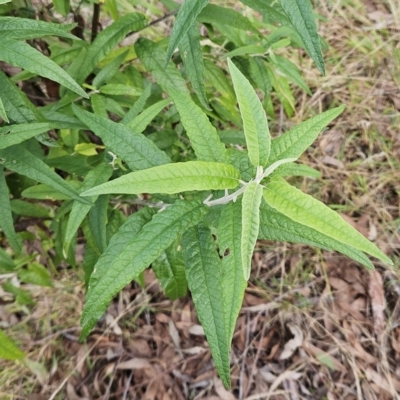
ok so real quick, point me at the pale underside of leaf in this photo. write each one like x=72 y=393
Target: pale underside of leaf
x=308 y=211
x=173 y=178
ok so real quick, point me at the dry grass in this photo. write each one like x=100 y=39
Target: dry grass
x=314 y=325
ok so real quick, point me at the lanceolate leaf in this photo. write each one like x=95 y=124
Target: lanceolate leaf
x=22 y=55
x=269 y=13
x=192 y=57
x=203 y=272
x=293 y=169
x=97 y=219
x=187 y=14
x=79 y=211
x=300 y=14
x=276 y=226
x=109 y=70
x=24 y=28
x=250 y=224
x=136 y=255
x=233 y=282
x=106 y=40
x=8 y=350
x=255 y=121
x=292 y=144
x=173 y=178
x=6 y=220
x=202 y=134
x=3 y=114
x=18 y=159
x=14 y=134
x=153 y=58
x=138 y=106
x=308 y=211
x=135 y=149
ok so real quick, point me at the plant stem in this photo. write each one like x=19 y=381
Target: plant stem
x=95 y=21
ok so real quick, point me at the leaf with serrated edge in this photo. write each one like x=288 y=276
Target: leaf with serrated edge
x=14 y=134
x=139 y=123
x=187 y=14
x=173 y=178
x=301 y=16
x=308 y=211
x=233 y=282
x=16 y=158
x=255 y=122
x=8 y=350
x=276 y=226
x=22 y=55
x=203 y=272
x=250 y=224
x=79 y=211
x=106 y=40
x=192 y=57
x=137 y=254
x=6 y=219
x=135 y=149
x=293 y=143
x=202 y=134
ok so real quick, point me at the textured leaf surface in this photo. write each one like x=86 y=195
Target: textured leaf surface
x=250 y=224
x=3 y=114
x=153 y=58
x=97 y=221
x=18 y=159
x=8 y=350
x=269 y=12
x=192 y=57
x=233 y=282
x=138 y=106
x=277 y=226
x=14 y=134
x=187 y=14
x=22 y=55
x=203 y=272
x=24 y=28
x=136 y=255
x=202 y=134
x=293 y=169
x=135 y=149
x=255 y=122
x=109 y=70
x=79 y=211
x=106 y=40
x=6 y=219
x=293 y=143
x=173 y=178
x=308 y=211
x=301 y=16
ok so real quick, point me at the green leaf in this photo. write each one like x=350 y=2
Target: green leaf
x=6 y=220
x=8 y=350
x=268 y=11
x=187 y=14
x=192 y=57
x=22 y=55
x=250 y=224
x=308 y=211
x=45 y=192
x=62 y=6
x=79 y=211
x=136 y=255
x=6 y=262
x=17 y=105
x=202 y=134
x=278 y=227
x=3 y=114
x=170 y=270
x=233 y=282
x=138 y=106
x=293 y=169
x=98 y=103
x=172 y=178
x=292 y=144
x=21 y=207
x=301 y=16
x=106 y=40
x=119 y=89
x=109 y=70
x=255 y=122
x=36 y=274
x=139 y=123
x=18 y=159
x=25 y=29
x=98 y=219
x=232 y=137
x=203 y=272
x=22 y=297
x=153 y=58
x=219 y=80
x=14 y=134
x=213 y=14
x=135 y=149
